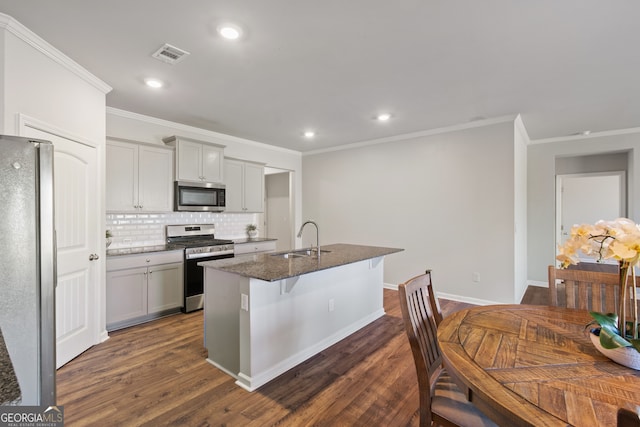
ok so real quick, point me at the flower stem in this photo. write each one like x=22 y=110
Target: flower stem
x=622 y=320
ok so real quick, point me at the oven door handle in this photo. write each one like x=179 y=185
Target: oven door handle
x=209 y=254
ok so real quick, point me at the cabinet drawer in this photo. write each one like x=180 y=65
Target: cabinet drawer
x=122 y=262
x=254 y=247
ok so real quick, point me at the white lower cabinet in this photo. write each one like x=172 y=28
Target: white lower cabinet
x=162 y=292
x=255 y=247
x=143 y=287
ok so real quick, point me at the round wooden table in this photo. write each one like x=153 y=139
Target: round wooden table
x=527 y=365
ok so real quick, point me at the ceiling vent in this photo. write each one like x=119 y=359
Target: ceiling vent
x=170 y=54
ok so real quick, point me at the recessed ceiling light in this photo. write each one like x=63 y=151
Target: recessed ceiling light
x=230 y=31
x=309 y=134
x=383 y=117
x=154 y=83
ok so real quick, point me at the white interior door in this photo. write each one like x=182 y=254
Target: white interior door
x=77 y=228
x=277 y=208
x=588 y=198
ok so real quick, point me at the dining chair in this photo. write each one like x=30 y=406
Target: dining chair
x=441 y=401
x=584 y=289
x=433 y=301
x=628 y=418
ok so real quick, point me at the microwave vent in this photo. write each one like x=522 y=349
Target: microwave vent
x=170 y=54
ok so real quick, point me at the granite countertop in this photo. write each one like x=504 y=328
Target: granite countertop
x=9 y=387
x=252 y=240
x=143 y=249
x=270 y=267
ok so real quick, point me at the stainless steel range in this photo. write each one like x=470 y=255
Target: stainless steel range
x=200 y=245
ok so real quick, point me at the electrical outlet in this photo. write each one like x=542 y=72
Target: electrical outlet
x=244 y=302
x=476 y=277
x=332 y=305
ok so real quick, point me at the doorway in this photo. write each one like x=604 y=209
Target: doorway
x=278 y=212
x=77 y=214
x=588 y=198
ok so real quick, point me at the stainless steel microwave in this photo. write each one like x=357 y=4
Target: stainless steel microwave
x=198 y=197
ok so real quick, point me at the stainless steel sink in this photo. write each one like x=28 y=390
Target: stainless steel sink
x=300 y=253
x=289 y=255
x=310 y=252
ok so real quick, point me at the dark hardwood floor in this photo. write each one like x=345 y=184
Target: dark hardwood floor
x=156 y=374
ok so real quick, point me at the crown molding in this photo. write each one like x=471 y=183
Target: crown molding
x=23 y=33
x=590 y=136
x=403 y=137
x=195 y=130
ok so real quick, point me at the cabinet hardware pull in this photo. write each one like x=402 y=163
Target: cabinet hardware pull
x=93 y=257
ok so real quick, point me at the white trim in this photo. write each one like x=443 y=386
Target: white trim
x=192 y=129
x=538 y=283
x=29 y=37
x=519 y=125
x=251 y=383
x=23 y=121
x=591 y=135
x=452 y=297
x=402 y=137
x=468 y=300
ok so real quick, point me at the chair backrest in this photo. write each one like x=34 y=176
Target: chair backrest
x=421 y=325
x=435 y=305
x=588 y=290
x=627 y=418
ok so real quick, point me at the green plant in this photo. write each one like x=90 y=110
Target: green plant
x=251 y=227
x=619 y=240
x=108 y=234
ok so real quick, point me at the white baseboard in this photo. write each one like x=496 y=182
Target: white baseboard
x=251 y=383
x=537 y=283
x=468 y=300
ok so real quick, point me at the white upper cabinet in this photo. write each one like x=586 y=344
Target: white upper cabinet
x=197 y=161
x=139 y=178
x=244 y=183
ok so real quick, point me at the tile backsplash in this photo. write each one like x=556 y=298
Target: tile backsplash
x=149 y=229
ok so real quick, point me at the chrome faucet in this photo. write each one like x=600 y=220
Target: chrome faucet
x=317 y=235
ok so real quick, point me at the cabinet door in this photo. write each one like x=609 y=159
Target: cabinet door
x=233 y=171
x=212 y=163
x=126 y=294
x=253 y=187
x=165 y=287
x=155 y=179
x=121 y=176
x=189 y=165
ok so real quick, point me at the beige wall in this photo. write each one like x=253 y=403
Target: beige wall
x=447 y=199
x=541 y=186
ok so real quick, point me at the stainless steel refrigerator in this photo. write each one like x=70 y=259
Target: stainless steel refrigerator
x=27 y=273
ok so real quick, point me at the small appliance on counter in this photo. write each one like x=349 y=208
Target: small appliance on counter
x=200 y=245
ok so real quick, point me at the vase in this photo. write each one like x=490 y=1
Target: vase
x=108 y=242
x=252 y=233
x=625 y=356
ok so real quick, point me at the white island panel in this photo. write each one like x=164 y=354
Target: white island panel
x=286 y=321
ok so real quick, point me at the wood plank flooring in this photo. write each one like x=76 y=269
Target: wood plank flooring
x=156 y=374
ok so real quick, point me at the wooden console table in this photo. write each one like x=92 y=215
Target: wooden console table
x=529 y=365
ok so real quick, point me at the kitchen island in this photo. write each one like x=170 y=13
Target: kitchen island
x=266 y=313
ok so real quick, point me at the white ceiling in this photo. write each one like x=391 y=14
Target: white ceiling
x=331 y=65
